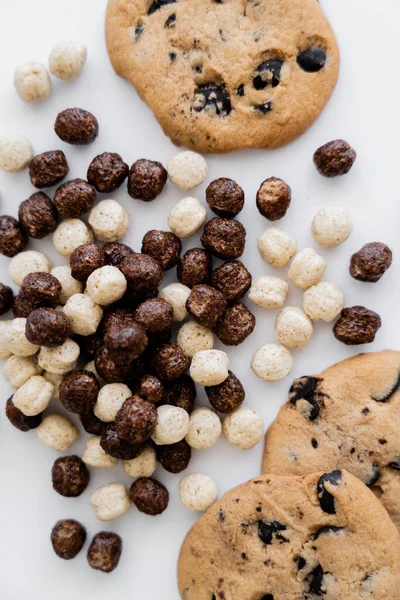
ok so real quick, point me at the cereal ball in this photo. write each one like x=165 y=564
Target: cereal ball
x=307 y=268
x=197 y=491
x=67 y=538
x=181 y=393
x=225 y=197
x=276 y=247
x=334 y=158
x=55 y=380
x=85 y=259
x=323 y=301
x=38 y=216
x=142 y=272
x=194 y=267
x=371 y=262
x=17 y=341
x=33 y=396
x=47 y=327
x=232 y=279
x=106 y=285
x=109 y=220
x=136 y=420
x=23 y=305
x=67 y=60
x=84 y=314
x=15 y=152
x=235 y=325
x=113 y=445
x=170 y=362
x=149 y=496
x=13 y=238
x=27 y=262
x=105 y=551
x=19 y=420
x=151 y=389
x=187 y=169
x=110 y=399
x=70 y=476
x=43 y=288
x=187 y=216
x=76 y=126
x=74 y=198
x=32 y=82
x=95 y=456
x=107 y=172
x=174 y=458
x=165 y=247
x=193 y=337
x=273 y=198
x=48 y=168
x=224 y=238
x=90 y=423
x=268 y=291
x=272 y=362
x=209 y=367
x=4 y=350
x=6 y=298
x=108 y=369
x=293 y=328
x=70 y=234
x=124 y=339
x=204 y=429
x=206 y=305
x=147 y=179
x=331 y=226
x=114 y=253
x=172 y=425
x=59 y=360
x=110 y=501
x=78 y=391
x=57 y=432
x=227 y=396
x=143 y=465
x=176 y=295
x=69 y=285
x=17 y=370
x=357 y=325
x=154 y=315
x=244 y=428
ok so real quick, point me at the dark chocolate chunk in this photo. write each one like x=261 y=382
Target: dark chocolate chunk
x=266 y=531
x=326 y=500
x=157 y=4
x=268 y=73
x=312 y=60
x=212 y=97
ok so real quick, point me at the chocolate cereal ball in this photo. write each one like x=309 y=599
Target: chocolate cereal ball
x=70 y=476
x=116 y=447
x=89 y=344
x=115 y=252
x=334 y=158
x=170 y=362
x=105 y=551
x=107 y=172
x=13 y=238
x=232 y=279
x=24 y=304
x=164 y=246
x=42 y=287
x=92 y=424
x=136 y=420
x=147 y=179
x=371 y=262
x=151 y=389
x=47 y=327
x=48 y=168
x=174 y=458
x=273 y=198
x=6 y=298
x=76 y=126
x=67 y=538
x=142 y=272
x=181 y=393
x=206 y=305
x=357 y=325
x=78 y=391
x=124 y=338
x=235 y=325
x=108 y=369
x=85 y=259
x=224 y=238
x=75 y=198
x=19 y=420
x=149 y=496
x=38 y=216
x=194 y=267
x=154 y=315
x=227 y=396
x=225 y=197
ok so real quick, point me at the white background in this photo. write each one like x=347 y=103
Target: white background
x=364 y=110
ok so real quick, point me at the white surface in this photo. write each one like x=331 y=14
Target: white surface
x=364 y=110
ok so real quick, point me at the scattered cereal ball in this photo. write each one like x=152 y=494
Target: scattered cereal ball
x=41 y=289
x=176 y=295
x=224 y=238
x=209 y=367
x=67 y=60
x=56 y=381
x=307 y=268
x=91 y=424
x=195 y=267
x=32 y=82
x=70 y=476
x=235 y=325
x=165 y=247
x=206 y=305
x=85 y=259
x=293 y=328
x=244 y=428
x=273 y=198
x=67 y=538
x=204 y=429
x=110 y=501
x=272 y=362
x=15 y=152
x=105 y=551
x=181 y=393
x=59 y=360
x=187 y=169
x=154 y=314
x=84 y=314
x=331 y=226
x=172 y=425
x=371 y=262
x=227 y=396
x=276 y=247
x=19 y=420
x=357 y=325
x=57 y=432
x=70 y=234
x=108 y=369
x=95 y=456
x=232 y=279
x=187 y=216
x=225 y=197
x=13 y=238
x=193 y=337
x=136 y=420
x=114 y=253
x=113 y=445
x=268 y=291
x=4 y=349
x=334 y=158
x=74 y=198
x=6 y=298
x=147 y=179
x=27 y=262
x=142 y=273
x=170 y=362
x=69 y=285
x=17 y=341
x=124 y=338
x=110 y=399
x=110 y=221
x=143 y=465
x=149 y=496
x=197 y=491
x=18 y=369
x=175 y=458
x=33 y=396
x=106 y=285
x=323 y=302
x=107 y=172
x=48 y=168
x=76 y=126
x=78 y=391
x=38 y=216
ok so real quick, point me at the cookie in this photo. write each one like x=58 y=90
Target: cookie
x=293 y=538
x=345 y=418
x=222 y=76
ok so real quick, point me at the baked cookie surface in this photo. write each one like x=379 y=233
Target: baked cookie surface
x=348 y=417
x=292 y=538
x=226 y=75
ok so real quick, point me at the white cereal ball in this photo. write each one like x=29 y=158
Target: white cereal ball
x=276 y=247
x=187 y=216
x=32 y=82
x=110 y=399
x=70 y=234
x=204 y=428
x=193 y=337
x=15 y=152
x=268 y=291
x=243 y=428
x=57 y=432
x=34 y=396
x=17 y=341
x=143 y=465
x=18 y=369
x=293 y=328
x=90 y=366
x=272 y=362
x=172 y=425
x=67 y=60
x=106 y=285
x=4 y=349
x=110 y=501
x=323 y=302
x=197 y=491
x=84 y=314
x=187 y=169
x=59 y=360
x=69 y=285
x=56 y=381
x=176 y=294
x=331 y=226
x=307 y=268
x=209 y=367
x=95 y=456
x=27 y=262
x=109 y=220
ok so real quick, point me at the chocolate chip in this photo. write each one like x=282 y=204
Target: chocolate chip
x=266 y=531
x=194 y=267
x=304 y=392
x=170 y=362
x=387 y=394
x=268 y=73
x=48 y=168
x=371 y=262
x=75 y=198
x=224 y=238
x=225 y=197
x=227 y=396
x=170 y=22
x=312 y=60
x=334 y=158
x=206 y=305
x=374 y=476
x=326 y=500
x=174 y=458
x=6 y=298
x=138 y=31
x=273 y=198
x=13 y=238
x=235 y=325
x=232 y=279
x=78 y=391
x=264 y=108
x=326 y=531
x=76 y=126
x=67 y=538
x=38 y=216
x=357 y=325
x=136 y=420
x=164 y=246
x=157 y=4
x=181 y=393
x=19 y=420
x=105 y=551
x=70 y=476
x=149 y=496
x=213 y=98
x=113 y=445
x=47 y=327
x=107 y=172
x=142 y=272
x=315 y=580
x=147 y=179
